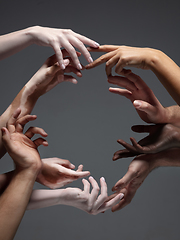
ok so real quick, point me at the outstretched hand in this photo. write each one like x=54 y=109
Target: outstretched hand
x=58 y=172
x=161 y=137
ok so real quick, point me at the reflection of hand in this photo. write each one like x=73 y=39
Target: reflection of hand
x=90 y=202
x=20 y=146
x=161 y=137
x=66 y=38
x=122 y=56
x=147 y=105
x=58 y=172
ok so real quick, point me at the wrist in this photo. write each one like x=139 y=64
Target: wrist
x=31 y=32
x=153 y=58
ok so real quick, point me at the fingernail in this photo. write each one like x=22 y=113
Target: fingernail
x=137 y=103
x=62 y=66
x=103 y=179
x=79 y=66
x=74 y=81
x=97 y=44
x=90 y=60
x=121 y=196
x=91 y=177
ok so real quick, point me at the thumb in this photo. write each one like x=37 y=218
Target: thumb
x=144 y=107
x=6 y=138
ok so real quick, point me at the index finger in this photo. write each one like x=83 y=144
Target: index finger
x=103 y=48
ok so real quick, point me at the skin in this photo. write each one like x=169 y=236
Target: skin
x=23 y=151
x=161 y=137
x=50 y=37
x=137 y=172
x=89 y=201
x=144 y=58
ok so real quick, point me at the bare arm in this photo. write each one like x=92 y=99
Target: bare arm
x=51 y=37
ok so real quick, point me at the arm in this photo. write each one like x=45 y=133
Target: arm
x=85 y=200
x=166 y=70
x=46 y=78
x=23 y=151
x=56 y=38
x=139 y=169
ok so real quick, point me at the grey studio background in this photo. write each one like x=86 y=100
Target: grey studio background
x=85 y=120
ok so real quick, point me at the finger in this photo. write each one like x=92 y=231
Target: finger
x=72 y=52
x=139 y=83
x=128 y=146
x=110 y=64
x=86 y=186
x=123 y=182
x=65 y=163
x=103 y=196
x=94 y=192
x=145 y=107
x=21 y=122
x=123 y=154
x=80 y=168
x=145 y=128
x=11 y=122
x=87 y=41
x=78 y=44
x=69 y=78
x=40 y=141
x=122 y=82
x=104 y=58
x=109 y=204
x=104 y=48
x=122 y=92
x=6 y=139
x=35 y=130
x=70 y=69
x=59 y=55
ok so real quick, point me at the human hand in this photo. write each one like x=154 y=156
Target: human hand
x=50 y=74
x=66 y=38
x=161 y=137
x=136 y=90
x=122 y=56
x=90 y=202
x=58 y=172
x=20 y=147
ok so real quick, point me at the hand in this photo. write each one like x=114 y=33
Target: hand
x=147 y=105
x=122 y=56
x=138 y=170
x=58 y=172
x=50 y=74
x=161 y=137
x=90 y=202
x=66 y=38
x=20 y=146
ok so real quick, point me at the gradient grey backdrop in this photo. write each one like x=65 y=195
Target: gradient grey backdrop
x=85 y=120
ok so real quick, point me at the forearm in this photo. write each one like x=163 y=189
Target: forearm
x=5 y=180
x=167 y=71
x=14 y=42
x=45 y=198
x=13 y=203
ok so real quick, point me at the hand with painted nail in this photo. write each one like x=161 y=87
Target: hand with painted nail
x=90 y=202
x=161 y=137
x=56 y=172
x=50 y=37
x=20 y=146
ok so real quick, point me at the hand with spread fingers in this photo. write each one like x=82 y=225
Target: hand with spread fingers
x=137 y=172
x=161 y=137
x=86 y=200
x=58 y=172
x=50 y=37
x=144 y=58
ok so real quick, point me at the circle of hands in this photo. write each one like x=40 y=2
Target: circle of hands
x=162 y=141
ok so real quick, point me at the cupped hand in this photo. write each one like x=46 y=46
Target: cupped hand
x=20 y=146
x=58 y=172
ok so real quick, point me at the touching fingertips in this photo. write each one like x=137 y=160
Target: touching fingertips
x=103 y=179
x=96 y=44
x=79 y=66
x=90 y=60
